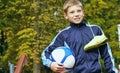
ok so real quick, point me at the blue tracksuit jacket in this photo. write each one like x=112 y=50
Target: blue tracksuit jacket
x=76 y=37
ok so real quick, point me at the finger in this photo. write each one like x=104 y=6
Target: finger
x=60 y=67
x=60 y=64
x=60 y=70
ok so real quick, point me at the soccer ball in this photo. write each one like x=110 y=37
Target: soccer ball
x=63 y=55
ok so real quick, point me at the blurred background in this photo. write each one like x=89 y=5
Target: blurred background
x=28 y=26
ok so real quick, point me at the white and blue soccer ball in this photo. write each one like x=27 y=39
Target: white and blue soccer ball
x=63 y=55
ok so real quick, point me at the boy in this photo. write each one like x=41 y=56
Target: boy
x=76 y=36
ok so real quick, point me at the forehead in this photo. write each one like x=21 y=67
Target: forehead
x=74 y=7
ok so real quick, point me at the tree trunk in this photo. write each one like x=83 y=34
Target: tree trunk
x=36 y=66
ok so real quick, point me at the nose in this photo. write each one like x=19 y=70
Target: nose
x=76 y=14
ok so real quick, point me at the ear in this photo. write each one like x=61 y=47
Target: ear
x=65 y=15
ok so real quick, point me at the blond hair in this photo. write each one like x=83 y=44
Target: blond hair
x=69 y=3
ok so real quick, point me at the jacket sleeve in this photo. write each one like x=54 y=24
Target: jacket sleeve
x=106 y=55
x=56 y=42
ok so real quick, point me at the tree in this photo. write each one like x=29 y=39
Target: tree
x=29 y=26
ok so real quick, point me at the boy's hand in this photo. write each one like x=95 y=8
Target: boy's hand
x=57 y=67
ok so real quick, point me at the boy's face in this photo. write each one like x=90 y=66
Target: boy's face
x=74 y=14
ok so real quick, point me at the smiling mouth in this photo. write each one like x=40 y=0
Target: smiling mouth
x=77 y=19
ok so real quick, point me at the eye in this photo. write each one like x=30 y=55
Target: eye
x=79 y=10
x=72 y=12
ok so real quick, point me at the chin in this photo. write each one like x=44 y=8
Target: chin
x=77 y=22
